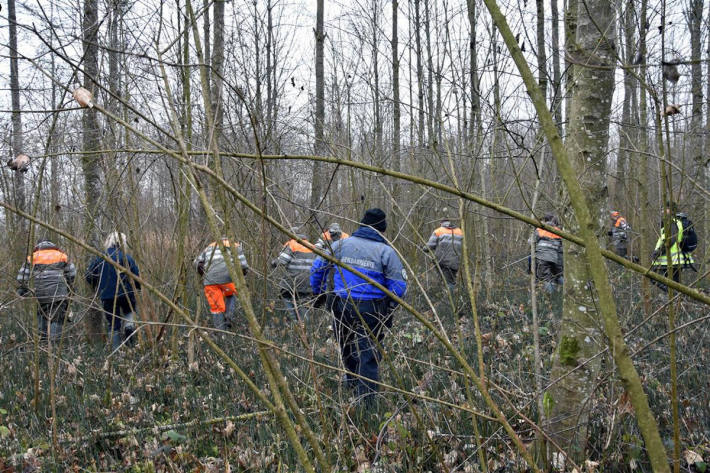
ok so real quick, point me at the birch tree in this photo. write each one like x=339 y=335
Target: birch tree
x=580 y=339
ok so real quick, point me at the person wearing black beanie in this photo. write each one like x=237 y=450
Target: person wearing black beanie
x=362 y=312
x=375 y=218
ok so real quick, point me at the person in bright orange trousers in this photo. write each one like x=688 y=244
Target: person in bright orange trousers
x=219 y=287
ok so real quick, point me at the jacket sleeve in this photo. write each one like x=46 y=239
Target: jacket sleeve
x=242 y=258
x=23 y=276
x=395 y=274
x=134 y=269
x=319 y=273
x=433 y=241
x=70 y=273
x=285 y=256
x=93 y=272
x=200 y=260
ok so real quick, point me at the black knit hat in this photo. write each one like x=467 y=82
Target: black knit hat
x=375 y=218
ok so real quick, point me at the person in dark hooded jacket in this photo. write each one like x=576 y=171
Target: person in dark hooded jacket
x=362 y=311
x=53 y=276
x=116 y=289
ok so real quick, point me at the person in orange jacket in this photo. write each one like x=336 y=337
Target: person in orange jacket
x=619 y=234
x=53 y=276
x=548 y=255
x=295 y=286
x=446 y=243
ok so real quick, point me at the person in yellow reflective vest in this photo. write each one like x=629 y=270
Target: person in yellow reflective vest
x=679 y=259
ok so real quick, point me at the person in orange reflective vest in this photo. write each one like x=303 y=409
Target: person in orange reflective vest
x=53 y=276
x=446 y=243
x=619 y=234
x=219 y=287
x=330 y=236
x=548 y=255
x=295 y=286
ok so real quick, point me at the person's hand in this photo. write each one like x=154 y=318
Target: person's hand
x=610 y=233
x=201 y=269
x=23 y=291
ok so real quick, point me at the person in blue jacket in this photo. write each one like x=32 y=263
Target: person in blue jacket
x=117 y=292
x=362 y=311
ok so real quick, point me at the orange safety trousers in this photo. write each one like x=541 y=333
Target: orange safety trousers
x=216 y=293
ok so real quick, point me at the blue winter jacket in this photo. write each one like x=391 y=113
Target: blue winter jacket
x=370 y=254
x=104 y=277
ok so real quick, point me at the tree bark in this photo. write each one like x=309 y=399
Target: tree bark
x=396 y=109
x=17 y=135
x=319 y=148
x=91 y=160
x=587 y=139
x=216 y=88
x=627 y=129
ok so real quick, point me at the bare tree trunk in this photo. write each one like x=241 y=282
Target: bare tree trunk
x=316 y=183
x=643 y=182
x=556 y=73
x=396 y=111
x=627 y=129
x=575 y=364
x=695 y=19
x=269 y=125
x=206 y=32
x=420 y=72
x=376 y=84
x=17 y=135
x=431 y=140
x=216 y=89
x=91 y=143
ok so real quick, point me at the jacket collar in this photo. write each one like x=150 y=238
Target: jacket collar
x=369 y=234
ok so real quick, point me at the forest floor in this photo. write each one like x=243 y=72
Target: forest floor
x=148 y=409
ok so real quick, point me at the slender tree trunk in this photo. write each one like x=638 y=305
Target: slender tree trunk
x=574 y=363
x=697 y=155
x=396 y=109
x=627 y=129
x=206 y=33
x=216 y=88
x=17 y=135
x=90 y=161
x=431 y=140
x=643 y=182
x=420 y=72
x=376 y=84
x=556 y=73
x=269 y=125
x=316 y=183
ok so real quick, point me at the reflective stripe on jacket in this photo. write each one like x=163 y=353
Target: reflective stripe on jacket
x=50 y=270
x=678 y=257
x=446 y=242
x=297 y=260
x=212 y=259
